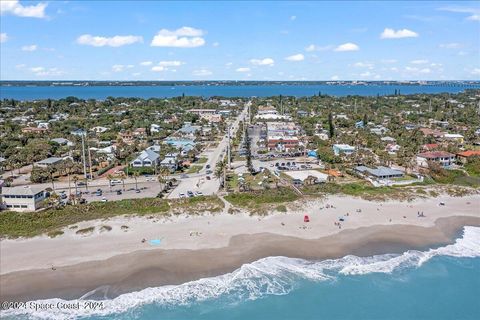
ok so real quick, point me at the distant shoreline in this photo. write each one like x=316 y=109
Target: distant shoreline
x=61 y=83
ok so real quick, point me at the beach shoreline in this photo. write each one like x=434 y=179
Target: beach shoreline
x=25 y=274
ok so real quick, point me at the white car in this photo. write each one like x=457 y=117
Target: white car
x=182 y=195
x=104 y=199
x=115 y=181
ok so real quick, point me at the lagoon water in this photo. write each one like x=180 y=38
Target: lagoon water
x=440 y=283
x=102 y=92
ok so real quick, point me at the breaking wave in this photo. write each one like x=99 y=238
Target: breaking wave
x=268 y=276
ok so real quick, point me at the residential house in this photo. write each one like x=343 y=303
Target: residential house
x=34 y=130
x=463 y=157
x=339 y=149
x=380 y=172
x=445 y=159
x=155 y=128
x=453 y=137
x=63 y=142
x=170 y=162
x=147 y=158
x=99 y=129
x=22 y=198
x=52 y=161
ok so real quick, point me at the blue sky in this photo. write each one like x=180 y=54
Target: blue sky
x=245 y=40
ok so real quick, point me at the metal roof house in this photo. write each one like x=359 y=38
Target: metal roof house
x=147 y=158
x=49 y=162
x=380 y=172
x=343 y=149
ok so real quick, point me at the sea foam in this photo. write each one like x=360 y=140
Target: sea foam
x=268 y=276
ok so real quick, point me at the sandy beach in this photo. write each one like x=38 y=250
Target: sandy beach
x=196 y=246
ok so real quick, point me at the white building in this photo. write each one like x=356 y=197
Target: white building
x=22 y=198
x=154 y=128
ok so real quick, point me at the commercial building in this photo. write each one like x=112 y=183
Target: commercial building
x=22 y=198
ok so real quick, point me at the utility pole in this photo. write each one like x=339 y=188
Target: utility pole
x=228 y=148
x=84 y=157
x=90 y=162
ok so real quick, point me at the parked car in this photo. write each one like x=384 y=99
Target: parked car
x=115 y=181
x=137 y=191
x=190 y=194
x=182 y=195
x=104 y=199
x=209 y=171
x=119 y=192
x=207 y=166
x=198 y=193
x=208 y=178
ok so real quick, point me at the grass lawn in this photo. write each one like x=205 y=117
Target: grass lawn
x=194 y=169
x=202 y=160
x=51 y=221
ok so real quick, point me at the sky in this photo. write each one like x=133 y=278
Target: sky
x=239 y=40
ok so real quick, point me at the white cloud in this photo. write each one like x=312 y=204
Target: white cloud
x=366 y=74
x=347 y=47
x=262 y=62
x=398 y=34
x=419 y=61
x=388 y=60
x=115 y=41
x=296 y=57
x=215 y=44
x=452 y=45
x=293 y=18
x=368 y=65
x=20 y=66
x=171 y=63
x=202 y=72
x=17 y=9
x=158 y=68
x=475 y=71
x=314 y=47
x=121 y=67
x=334 y=78
x=3 y=37
x=185 y=37
x=37 y=69
x=243 y=69
x=136 y=74
x=474 y=12
x=417 y=70
x=146 y=63
x=44 y=72
x=32 y=47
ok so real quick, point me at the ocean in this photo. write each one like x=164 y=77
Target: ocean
x=438 y=283
x=102 y=92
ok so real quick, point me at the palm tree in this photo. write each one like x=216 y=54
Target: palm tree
x=75 y=181
x=136 y=174
x=122 y=177
x=110 y=178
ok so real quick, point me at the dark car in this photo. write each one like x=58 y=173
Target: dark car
x=119 y=192
x=207 y=166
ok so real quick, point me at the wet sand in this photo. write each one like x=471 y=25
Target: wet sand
x=150 y=268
